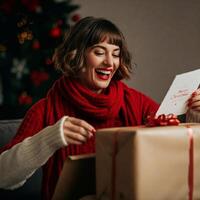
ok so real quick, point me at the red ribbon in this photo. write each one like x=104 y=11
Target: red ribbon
x=162 y=120
x=191 y=163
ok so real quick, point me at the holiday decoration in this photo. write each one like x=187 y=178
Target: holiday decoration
x=24 y=99
x=162 y=120
x=55 y=32
x=19 y=68
x=30 y=32
x=76 y=18
x=39 y=77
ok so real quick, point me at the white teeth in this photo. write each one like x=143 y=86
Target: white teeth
x=103 y=72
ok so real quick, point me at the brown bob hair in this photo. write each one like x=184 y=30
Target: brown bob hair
x=69 y=57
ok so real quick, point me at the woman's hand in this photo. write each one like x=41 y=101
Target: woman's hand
x=77 y=131
x=194 y=101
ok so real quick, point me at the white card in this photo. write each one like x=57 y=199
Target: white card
x=179 y=92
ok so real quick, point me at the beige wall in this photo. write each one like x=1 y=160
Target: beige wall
x=163 y=37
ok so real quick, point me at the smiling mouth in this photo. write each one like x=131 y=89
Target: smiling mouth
x=103 y=74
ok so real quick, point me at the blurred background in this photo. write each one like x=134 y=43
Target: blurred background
x=163 y=38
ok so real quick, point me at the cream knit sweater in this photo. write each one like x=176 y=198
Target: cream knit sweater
x=22 y=160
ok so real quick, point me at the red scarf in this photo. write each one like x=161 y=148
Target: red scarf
x=68 y=97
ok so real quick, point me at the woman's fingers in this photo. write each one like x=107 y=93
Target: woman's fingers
x=75 y=136
x=194 y=100
x=81 y=123
x=77 y=131
x=195 y=105
x=72 y=141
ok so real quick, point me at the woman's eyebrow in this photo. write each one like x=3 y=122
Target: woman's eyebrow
x=102 y=47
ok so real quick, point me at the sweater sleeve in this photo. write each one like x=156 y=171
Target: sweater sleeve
x=140 y=105
x=193 y=116
x=29 y=155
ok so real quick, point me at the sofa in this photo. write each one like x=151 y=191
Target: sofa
x=31 y=189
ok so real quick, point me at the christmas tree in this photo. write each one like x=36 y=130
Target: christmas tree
x=30 y=32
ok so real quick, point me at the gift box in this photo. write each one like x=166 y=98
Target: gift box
x=77 y=179
x=148 y=163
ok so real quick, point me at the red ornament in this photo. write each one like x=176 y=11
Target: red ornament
x=38 y=77
x=36 y=44
x=25 y=99
x=76 y=18
x=55 y=32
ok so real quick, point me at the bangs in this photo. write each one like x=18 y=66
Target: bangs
x=105 y=31
x=111 y=38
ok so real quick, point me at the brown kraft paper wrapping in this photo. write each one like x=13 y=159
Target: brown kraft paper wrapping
x=149 y=163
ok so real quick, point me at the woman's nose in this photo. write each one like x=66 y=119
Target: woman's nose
x=108 y=60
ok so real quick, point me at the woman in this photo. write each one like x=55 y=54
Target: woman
x=89 y=96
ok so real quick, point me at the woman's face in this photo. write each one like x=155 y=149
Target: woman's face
x=102 y=61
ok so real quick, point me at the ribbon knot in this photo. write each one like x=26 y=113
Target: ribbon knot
x=162 y=120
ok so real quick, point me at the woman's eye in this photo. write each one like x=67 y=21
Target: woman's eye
x=99 y=53
x=116 y=55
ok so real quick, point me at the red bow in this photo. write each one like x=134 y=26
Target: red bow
x=162 y=120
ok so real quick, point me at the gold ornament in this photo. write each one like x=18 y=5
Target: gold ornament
x=25 y=35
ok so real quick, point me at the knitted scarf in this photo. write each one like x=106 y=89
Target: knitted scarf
x=68 y=97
